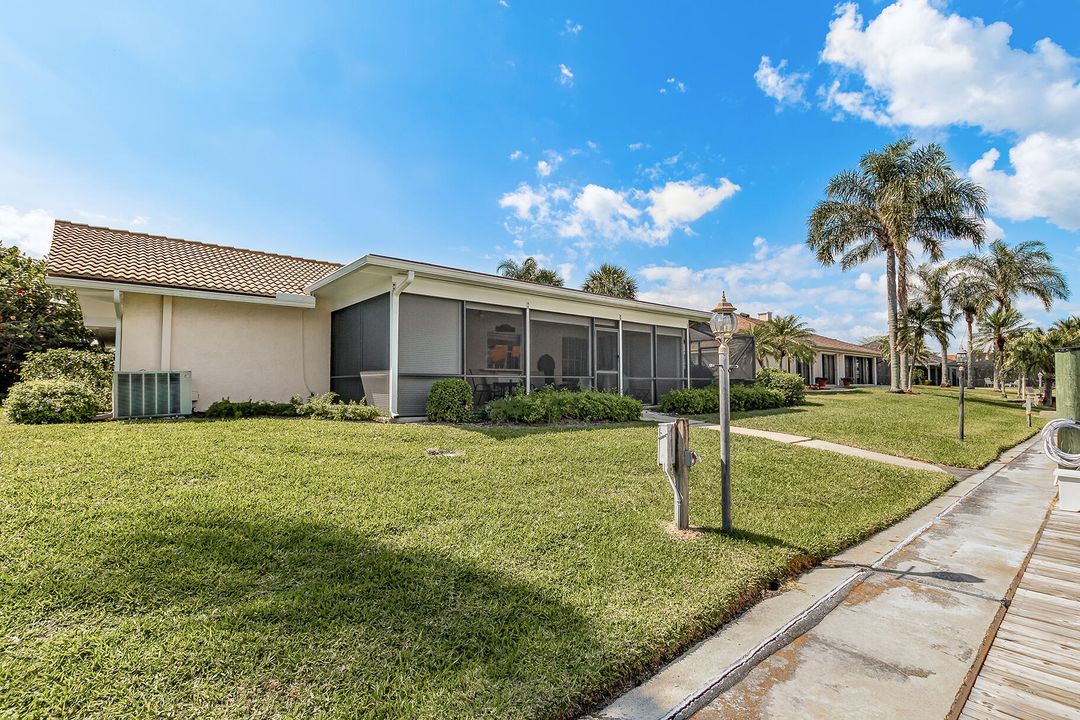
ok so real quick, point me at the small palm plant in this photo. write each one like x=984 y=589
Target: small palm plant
x=529 y=270
x=611 y=280
x=789 y=338
x=764 y=347
x=922 y=320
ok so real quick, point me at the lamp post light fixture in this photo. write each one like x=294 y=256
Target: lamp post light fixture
x=723 y=323
x=961 y=361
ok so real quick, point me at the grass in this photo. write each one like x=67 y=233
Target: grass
x=298 y=568
x=923 y=426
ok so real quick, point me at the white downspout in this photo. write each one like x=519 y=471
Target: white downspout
x=396 y=288
x=165 y=360
x=118 y=308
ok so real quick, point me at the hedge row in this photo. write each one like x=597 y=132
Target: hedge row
x=324 y=407
x=700 y=401
x=548 y=406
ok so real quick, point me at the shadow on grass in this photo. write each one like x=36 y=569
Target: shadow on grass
x=405 y=632
x=512 y=432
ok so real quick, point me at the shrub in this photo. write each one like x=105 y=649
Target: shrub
x=700 y=401
x=789 y=384
x=93 y=369
x=326 y=407
x=548 y=405
x=450 y=401
x=35 y=402
x=225 y=408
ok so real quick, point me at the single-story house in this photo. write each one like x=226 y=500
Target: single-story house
x=834 y=359
x=251 y=324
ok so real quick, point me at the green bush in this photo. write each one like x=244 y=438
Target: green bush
x=93 y=369
x=790 y=384
x=450 y=401
x=326 y=407
x=548 y=406
x=225 y=408
x=36 y=402
x=700 y=401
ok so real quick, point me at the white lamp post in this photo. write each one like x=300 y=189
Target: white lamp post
x=961 y=360
x=722 y=323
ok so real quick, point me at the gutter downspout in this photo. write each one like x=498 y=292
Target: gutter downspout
x=528 y=349
x=118 y=309
x=396 y=289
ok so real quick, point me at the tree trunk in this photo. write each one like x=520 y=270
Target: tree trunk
x=944 y=363
x=1047 y=389
x=999 y=367
x=971 y=350
x=902 y=305
x=894 y=354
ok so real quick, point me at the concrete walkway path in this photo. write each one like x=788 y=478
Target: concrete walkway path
x=892 y=628
x=652 y=416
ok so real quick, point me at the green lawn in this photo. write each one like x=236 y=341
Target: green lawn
x=298 y=568
x=921 y=426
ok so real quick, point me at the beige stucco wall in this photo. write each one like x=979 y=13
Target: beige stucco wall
x=238 y=350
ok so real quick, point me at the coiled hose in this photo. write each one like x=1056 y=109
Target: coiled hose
x=1050 y=447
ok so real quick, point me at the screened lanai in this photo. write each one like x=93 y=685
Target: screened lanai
x=497 y=349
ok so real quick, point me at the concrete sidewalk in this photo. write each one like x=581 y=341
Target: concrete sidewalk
x=652 y=416
x=892 y=628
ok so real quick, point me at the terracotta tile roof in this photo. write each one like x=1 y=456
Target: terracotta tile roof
x=821 y=342
x=98 y=253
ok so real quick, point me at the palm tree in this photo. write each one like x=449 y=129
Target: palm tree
x=934 y=284
x=764 y=347
x=788 y=335
x=1030 y=353
x=921 y=320
x=968 y=297
x=611 y=280
x=897 y=195
x=1069 y=326
x=996 y=328
x=530 y=271
x=1005 y=273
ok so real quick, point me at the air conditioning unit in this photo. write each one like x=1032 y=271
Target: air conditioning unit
x=144 y=394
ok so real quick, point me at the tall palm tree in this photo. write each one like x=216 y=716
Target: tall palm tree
x=968 y=297
x=921 y=321
x=933 y=284
x=895 y=196
x=996 y=328
x=789 y=336
x=1006 y=273
x=530 y=271
x=611 y=280
x=1030 y=353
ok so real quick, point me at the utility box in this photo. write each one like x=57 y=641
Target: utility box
x=1068 y=482
x=1067 y=380
x=665 y=445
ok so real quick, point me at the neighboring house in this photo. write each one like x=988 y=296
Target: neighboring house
x=834 y=359
x=249 y=324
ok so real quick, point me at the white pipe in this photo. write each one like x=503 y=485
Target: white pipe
x=118 y=308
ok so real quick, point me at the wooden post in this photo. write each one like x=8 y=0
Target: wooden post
x=1067 y=379
x=682 y=474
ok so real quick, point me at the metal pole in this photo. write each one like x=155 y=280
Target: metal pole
x=725 y=438
x=961 y=402
x=682 y=474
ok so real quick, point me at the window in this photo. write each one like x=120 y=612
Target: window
x=638 y=362
x=494 y=351
x=607 y=355
x=560 y=351
x=360 y=351
x=670 y=360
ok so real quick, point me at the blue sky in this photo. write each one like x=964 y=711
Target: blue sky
x=653 y=136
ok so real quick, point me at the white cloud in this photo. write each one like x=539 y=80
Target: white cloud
x=673 y=83
x=634 y=147
x=139 y=221
x=31 y=231
x=566 y=271
x=504 y=3
x=518 y=155
x=597 y=213
x=566 y=76
x=914 y=65
x=1045 y=181
x=544 y=168
x=784 y=88
x=761 y=248
x=677 y=204
x=571 y=28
